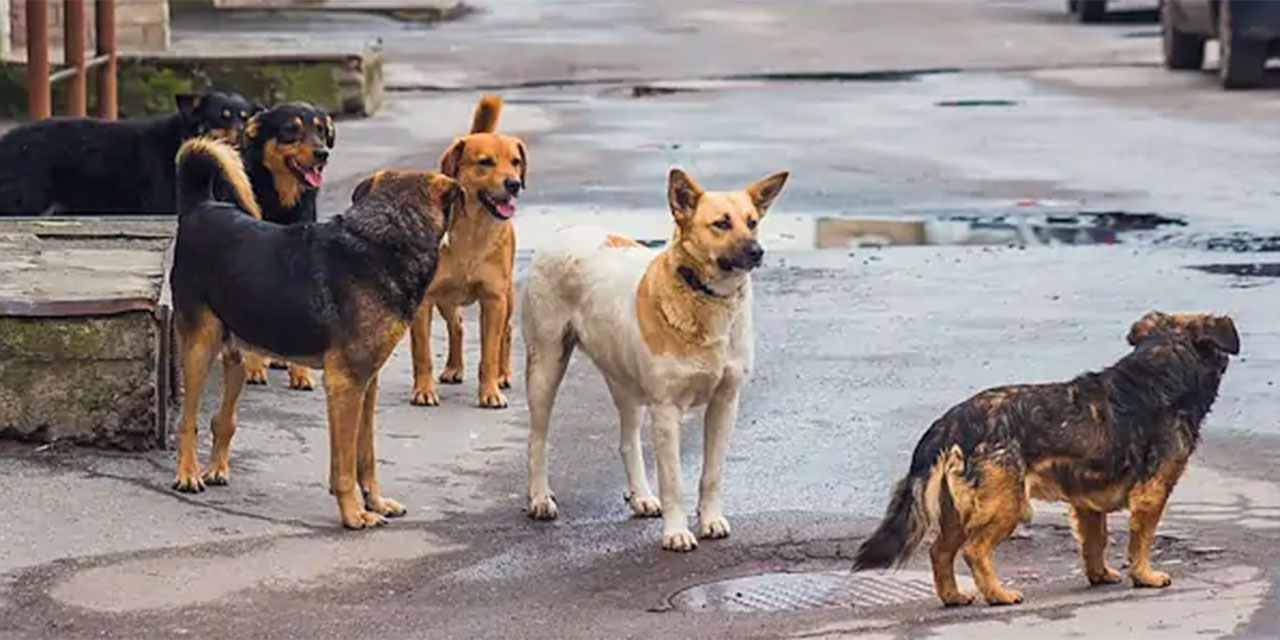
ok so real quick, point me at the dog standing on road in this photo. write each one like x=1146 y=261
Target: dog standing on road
x=337 y=295
x=669 y=331
x=478 y=262
x=285 y=152
x=1119 y=438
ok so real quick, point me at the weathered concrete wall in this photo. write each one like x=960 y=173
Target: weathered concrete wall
x=88 y=380
x=141 y=25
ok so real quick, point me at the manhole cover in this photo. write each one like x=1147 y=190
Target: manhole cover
x=804 y=591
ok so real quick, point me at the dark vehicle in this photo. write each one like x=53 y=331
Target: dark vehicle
x=1247 y=31
x=1088 y=11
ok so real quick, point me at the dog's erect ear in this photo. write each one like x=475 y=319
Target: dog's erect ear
x=1219 y=331
x=451 y=159
x=763 y=192
x=364 y=187
x=1145 y=326
x=682 y=195
x=524 y=164
x=187 y=103
x=330 y=133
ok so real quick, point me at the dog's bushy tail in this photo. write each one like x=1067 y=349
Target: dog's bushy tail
x=914 y=506
x=203 y=165
x=485 y=119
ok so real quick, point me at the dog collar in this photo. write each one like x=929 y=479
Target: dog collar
x=690 y=278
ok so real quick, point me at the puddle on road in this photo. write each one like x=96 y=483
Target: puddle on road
x=1013 y=229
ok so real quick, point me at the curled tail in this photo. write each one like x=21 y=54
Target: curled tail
x=205 y=164
x=485 y=118
x=914 y=507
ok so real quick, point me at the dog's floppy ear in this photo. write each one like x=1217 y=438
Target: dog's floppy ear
x=451 y=159
x=251 y=128
x=524 y=164
x=330 y=133
x=762 y=192
x=1219 y=331
x=187 y=103
x=364 y=187
x=1145 y=326
x=256 y=108
x=682 y=195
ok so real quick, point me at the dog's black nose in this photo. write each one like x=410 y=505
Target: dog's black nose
x=755 y=254
x=512 y=186
x=321 y=155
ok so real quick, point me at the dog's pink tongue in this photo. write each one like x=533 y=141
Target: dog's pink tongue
x=313 y=177
x=507 y=208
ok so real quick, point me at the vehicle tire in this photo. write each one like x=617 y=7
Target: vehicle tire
x=1091 y=11
x=1181 y=50
x=1243 y=61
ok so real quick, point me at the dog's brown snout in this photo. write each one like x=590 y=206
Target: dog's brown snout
x=512 y=185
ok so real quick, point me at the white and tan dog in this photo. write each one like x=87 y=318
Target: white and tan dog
x=669 y=331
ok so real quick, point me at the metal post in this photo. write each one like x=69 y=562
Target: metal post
x=106 y=22
x=73 y=47
x=37 y=59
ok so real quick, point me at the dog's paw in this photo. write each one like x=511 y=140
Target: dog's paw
x=300 y=379
x=679 y=540
x=451 y=375
x=492 y=399
x=216 y=475
x=644 y=506
x=188 y=482
x=543 y=507
x=1151 y=580
x=957 y=599
x=1004 y=597
x=504 y=381
x=1108 y=576
x=362 y=520
x=384 y=506
x=713 y=528
x=255 y=375
x=425 y=398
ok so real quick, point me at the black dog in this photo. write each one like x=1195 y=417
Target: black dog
x=91 y=166
x=1115 y=439
x=285 y=150
x=337 y=295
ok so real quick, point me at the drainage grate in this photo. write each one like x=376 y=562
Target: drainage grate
x=772 y=592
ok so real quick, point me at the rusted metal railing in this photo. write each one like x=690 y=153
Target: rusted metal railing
x=39 y=78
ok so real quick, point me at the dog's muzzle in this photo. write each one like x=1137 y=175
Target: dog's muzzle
x=745 y=257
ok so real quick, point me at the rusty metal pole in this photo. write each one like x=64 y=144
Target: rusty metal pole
x=73 y=48
x=37 y=59
x=106 y=33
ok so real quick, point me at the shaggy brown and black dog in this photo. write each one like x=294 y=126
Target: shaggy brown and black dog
x=1105 y=441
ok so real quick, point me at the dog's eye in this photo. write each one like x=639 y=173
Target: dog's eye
x=486 y=162
x=723 y=224
x=751 y=224
x=515 y=162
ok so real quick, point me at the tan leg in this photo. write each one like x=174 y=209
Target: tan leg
x=943 y=556
x=223 y=424
x=255 y=368
x=424 y=387
x=997 y=507
x=452 y=373
x=300 y=378
x=198 y=338
x=345 y=397
x=367 y=461
x=504 y=360
x=1090 y=528
x=1146 y=506
x=493 y=316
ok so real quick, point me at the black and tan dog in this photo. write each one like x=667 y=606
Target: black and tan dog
x=285 y=151
x=478 y=264
x=337 y=295
x=1105 y=441
x=92 y=166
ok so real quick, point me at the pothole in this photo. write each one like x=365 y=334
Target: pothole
x=778 y=592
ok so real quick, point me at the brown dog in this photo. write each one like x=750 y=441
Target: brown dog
x=1118 y=438
x=478 y=260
